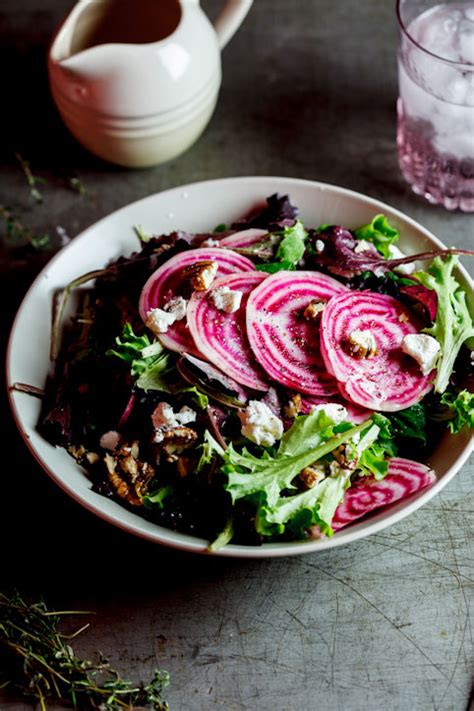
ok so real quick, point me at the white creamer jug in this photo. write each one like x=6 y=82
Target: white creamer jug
x=136 y=81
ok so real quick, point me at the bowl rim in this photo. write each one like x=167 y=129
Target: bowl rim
x=186 y=542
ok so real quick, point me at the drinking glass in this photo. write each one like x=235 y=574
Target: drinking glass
x=435 y=108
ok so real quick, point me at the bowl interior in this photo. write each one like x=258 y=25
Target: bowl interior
x=198 y=207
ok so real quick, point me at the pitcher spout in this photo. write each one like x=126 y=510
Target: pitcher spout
x=71 y=37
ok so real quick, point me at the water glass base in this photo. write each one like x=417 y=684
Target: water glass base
x=440 y=178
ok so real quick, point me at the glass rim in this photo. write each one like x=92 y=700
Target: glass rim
x=465 y=66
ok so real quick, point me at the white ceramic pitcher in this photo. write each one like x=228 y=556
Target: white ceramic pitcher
x=136 y=81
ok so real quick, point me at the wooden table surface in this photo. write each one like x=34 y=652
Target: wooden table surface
x=309 y=91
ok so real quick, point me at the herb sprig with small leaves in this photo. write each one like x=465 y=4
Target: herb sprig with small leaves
x=32 y=180
x=38 y=662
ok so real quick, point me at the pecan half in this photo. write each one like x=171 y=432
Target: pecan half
x=201 y=274
x=314 y=309
x=128 y=475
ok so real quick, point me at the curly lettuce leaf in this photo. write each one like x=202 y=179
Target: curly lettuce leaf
x=453 y=323
x=268 y=475
x=268 y=478
x=458 y=410
x=152 y=366
x=306 y=432
x=316 y=506
x=209 y=449
x=158 y=374
x=130 y=349
x=380 y=233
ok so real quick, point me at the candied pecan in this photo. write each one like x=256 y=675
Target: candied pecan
x=293 y=408
x=201 y=274
x=314 y=309
x=310 y=476
x=176 y=440
x=128 y=475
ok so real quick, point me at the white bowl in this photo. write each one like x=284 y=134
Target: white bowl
x=196 y=208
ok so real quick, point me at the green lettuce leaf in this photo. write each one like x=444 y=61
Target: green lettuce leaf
x=410 y=424
x=314 y=506
x=129 y=349
x=152 y=366
x=306 y=432
x=453 y=323
x=290 y=249
x=380 y=233
x=209 y=449
x=155 y=500
x=158 y=374
x=274 y=267
x=292 y=246
x=267 y=478
x=268 y=475
x=458 y=410
x=224 y=537
x=198 y=397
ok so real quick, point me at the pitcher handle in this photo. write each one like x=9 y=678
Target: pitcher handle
x=230 y=19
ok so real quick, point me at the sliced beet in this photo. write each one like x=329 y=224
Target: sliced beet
x=169 y=281
x=355 y=413
x=286 y=344
x=404 y=477
x=388 y=381
x=221 y=337
x=243 y=239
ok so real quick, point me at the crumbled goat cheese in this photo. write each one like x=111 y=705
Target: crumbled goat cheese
x=259 y=424
x=404 y=269
x=423 y=348
x=363 y=246
x=185 y=415
x=337 y=413
x=319 y=245
x=210 y=242
x=165 y=417
x=110 y=440
x=362 y=344
x=177 y=307
x=226 y=299
x=158 y=320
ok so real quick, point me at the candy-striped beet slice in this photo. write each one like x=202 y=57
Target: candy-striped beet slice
x=404 y=477
x=242 y=239
x=355 y=413
x=221 y=337
x=285 y=344
x=168 y=281
x=388 y=381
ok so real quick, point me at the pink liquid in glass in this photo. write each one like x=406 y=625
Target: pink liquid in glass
x=436 y=106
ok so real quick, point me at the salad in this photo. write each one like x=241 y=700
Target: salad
x=264 y=381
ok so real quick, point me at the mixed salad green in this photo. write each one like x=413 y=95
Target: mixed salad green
x=267 y=381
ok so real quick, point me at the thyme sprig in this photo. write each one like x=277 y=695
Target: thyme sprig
x=18 y=234
x=38 y=662
x=32 y=180
x=76 y=184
